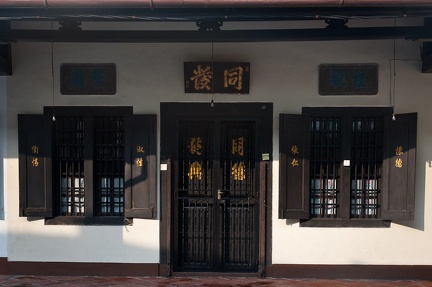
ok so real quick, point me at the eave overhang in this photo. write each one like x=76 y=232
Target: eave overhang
x=335 y=13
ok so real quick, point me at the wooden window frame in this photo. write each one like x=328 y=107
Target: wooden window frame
x=295 y=194
x=88 y=114
x=140 y=189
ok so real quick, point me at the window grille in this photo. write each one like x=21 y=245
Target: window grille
x=109 y=166
x=357 y=168
x=69 y=137
x=325 y=164
x=366 y=166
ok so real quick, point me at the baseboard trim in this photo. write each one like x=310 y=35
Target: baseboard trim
x=378 y=272
x=3 y=265
x=82 y=269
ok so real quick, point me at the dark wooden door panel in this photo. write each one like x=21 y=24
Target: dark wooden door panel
x=215 y=196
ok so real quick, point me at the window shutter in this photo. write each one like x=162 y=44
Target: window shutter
x=35 y=165
x=140 y=168
x=399 y=167
x=294 y=166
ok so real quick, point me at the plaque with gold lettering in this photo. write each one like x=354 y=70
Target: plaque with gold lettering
x=217 y=77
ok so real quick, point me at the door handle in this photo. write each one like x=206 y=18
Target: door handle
x=220 y=193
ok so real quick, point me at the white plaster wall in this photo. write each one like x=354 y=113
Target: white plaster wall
x=283 y=73
x=3 y=233
x=405 y=243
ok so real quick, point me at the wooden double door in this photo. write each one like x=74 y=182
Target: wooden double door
x=216 y=192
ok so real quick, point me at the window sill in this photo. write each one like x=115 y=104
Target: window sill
x=363 y=223
x=66 y=220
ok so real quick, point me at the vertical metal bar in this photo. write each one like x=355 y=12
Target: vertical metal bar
x=329 y=177
x=186 y=232
x=103 y=193
x=200 y=233
x=109 y=171
x=166 y=180
x=336 y=155
x=73 y=169
x=193 y=232
x=312 y=165
x=369 y=171
x=78 y=159
x=72 y=166
x=323 y=185
x=375 y=170
x=322 y=171
x=199 y=211
x=238 y=231
x=68 y=172
x=362 y=160
x=106 y=123
x=354 y=165
x=100 y=185
x=262 y=217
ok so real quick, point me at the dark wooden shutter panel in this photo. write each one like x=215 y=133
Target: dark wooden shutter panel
x=35 y=165
x=140 y=169
x=294 y=166
x=399 y=167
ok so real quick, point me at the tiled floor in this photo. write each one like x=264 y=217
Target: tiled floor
x=69 y=281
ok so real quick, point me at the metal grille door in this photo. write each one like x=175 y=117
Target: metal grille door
x=215 y=196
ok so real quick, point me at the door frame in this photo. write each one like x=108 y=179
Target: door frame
x=262 y=113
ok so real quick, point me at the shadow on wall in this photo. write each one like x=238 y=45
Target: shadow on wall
x=103 y=244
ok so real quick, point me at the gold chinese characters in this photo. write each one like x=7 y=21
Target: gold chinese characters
x=398 y=161
x=35 y=151
x=217 y=77
x=202 y=78
x=294 y=151
x=238 y=170
x=195 y=147
x=139 y=161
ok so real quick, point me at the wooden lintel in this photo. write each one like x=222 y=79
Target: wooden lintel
x=5 y=60
x=427 y=57
x=192 y=36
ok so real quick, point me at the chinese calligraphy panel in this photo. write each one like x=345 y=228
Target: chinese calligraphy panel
x=216 y=77
x=35 y=163
x=88 y=79
x=348 y=79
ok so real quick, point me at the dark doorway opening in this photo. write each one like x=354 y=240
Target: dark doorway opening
x=215 y=189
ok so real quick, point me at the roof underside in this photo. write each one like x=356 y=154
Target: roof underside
x=210 y=16
x=193 y=10
x=156 y=4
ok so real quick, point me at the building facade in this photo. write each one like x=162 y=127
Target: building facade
x=118 y=159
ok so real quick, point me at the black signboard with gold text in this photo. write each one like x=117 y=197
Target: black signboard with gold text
x=217 y=77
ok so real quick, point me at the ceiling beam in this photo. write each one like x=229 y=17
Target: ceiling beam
x=189 y=36
x=5 y=60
